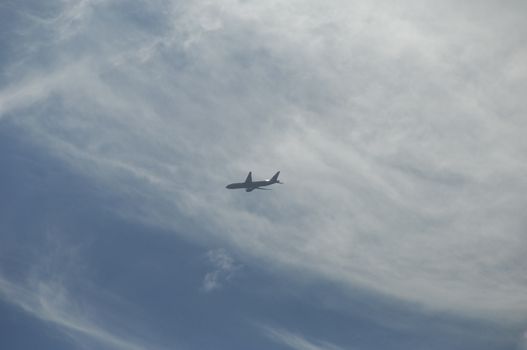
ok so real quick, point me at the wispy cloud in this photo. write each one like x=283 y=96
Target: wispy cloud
x=297 y=342
x=224 y=268
x=45 y=292
x=51 y=303
x=522 y=343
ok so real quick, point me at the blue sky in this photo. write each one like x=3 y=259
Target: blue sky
x=398 y=129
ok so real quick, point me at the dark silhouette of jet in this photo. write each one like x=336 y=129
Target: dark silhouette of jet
x=250 y=185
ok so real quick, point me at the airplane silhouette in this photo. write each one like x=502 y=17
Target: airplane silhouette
x=250 y=185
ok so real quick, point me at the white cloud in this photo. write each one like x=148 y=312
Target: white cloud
x=398 y=128
x=46 y=293
x=523 y=341
x=297 y=342
x=223 y=271
x=51 y=303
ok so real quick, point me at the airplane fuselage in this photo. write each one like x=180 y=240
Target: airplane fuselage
x=251 y=185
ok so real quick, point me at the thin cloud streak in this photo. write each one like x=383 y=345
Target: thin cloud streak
x=50 y=303
x=295 y=341
x=49 y=292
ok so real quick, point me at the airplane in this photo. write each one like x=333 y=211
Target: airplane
x=250 y=185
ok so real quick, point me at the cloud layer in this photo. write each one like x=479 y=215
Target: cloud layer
x=398 y=129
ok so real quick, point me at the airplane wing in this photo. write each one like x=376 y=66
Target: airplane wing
x=249 y=178
x=249 y=189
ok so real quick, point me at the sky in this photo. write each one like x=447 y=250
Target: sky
x=399 y=130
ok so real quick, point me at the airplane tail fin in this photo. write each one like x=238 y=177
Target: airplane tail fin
x=275 y=177
x=249 y=178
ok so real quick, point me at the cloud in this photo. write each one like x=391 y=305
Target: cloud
x=224 y=270
x=50 y=302
x=297 y=342
x=49 y=291
x=522 y=342
x=398 y=128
